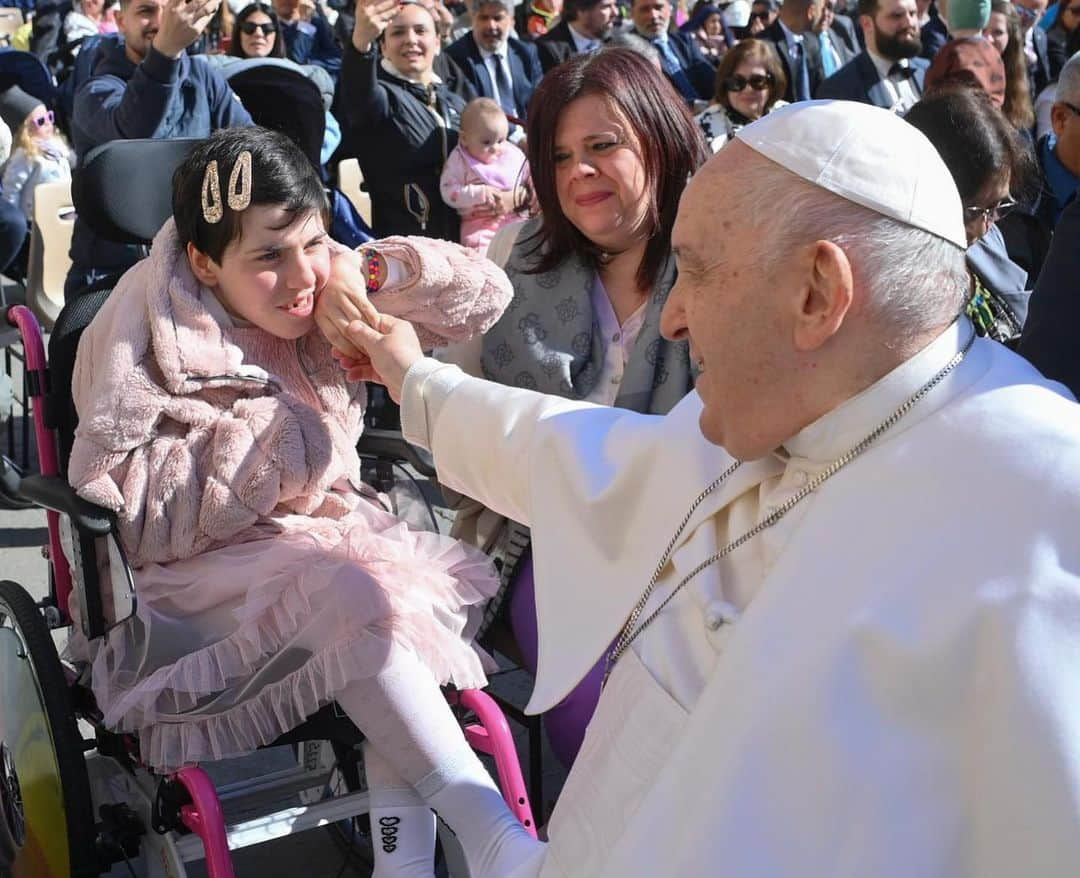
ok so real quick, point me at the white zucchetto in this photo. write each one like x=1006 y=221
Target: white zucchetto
x=867 y=155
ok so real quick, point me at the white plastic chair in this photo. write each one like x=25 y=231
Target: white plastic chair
x=50 y=241
x=351 y=181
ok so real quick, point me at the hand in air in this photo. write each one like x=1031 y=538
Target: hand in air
x=182 y=23
x=372 y=18
x=343 y=300
x=388 y=349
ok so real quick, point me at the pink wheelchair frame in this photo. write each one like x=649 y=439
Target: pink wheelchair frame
x=204 y=816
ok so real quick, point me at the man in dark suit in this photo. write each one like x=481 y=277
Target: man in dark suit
x=799 y=46
x=498 y=66
x=836 y=38
x=585 y=26
x=680 y=59
x=889 y=74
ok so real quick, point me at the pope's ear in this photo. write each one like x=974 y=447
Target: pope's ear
x=202 y=266
x=826 y=299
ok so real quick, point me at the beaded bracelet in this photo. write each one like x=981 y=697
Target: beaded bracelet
x=371 y=262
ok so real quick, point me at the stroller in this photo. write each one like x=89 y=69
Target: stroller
x=72 y=805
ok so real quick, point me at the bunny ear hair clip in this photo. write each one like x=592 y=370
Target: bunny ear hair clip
x=237 y=194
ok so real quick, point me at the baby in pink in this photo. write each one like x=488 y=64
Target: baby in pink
x=484 y=171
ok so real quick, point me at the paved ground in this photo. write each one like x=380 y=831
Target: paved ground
x=311 y=854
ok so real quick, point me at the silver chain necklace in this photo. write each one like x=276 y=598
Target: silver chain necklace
x=630 y=633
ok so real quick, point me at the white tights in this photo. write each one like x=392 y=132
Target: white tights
x=406 y=720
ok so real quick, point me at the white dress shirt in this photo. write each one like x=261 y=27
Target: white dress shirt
x=901 y=88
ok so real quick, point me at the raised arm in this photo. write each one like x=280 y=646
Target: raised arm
x=364 y=98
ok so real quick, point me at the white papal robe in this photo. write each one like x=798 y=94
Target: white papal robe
x=885 y=683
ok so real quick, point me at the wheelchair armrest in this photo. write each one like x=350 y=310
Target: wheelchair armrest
x=391 y=445
x=53 y=492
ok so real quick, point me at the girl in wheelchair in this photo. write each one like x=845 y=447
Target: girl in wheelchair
x=214 y=422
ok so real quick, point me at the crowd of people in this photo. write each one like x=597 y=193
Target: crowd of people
x=775 y=220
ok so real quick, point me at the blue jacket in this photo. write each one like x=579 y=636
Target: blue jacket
x=1049 y=339
x=524 y=65
x=160 y=98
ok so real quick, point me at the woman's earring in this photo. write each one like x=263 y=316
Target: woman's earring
x=239 y=193
x=212 y=209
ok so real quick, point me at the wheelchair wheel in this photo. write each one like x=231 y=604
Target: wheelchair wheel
x=46 y=819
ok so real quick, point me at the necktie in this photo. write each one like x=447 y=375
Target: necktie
x=506 y=90
x=801 y=71
x=670 y=62
x=829 y=61
x=901 y=71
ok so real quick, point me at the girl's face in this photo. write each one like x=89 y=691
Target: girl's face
x=751 y=102
x=272 y=273
x=410 y=42
x=93 y=8
x=599 y=176
x=714 y=26
x=997 y=31
x=40 y=123
x=260 y=42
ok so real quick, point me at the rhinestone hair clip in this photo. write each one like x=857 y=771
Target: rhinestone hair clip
x=237 y=195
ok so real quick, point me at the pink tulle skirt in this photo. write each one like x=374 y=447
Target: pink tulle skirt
x=231 y=649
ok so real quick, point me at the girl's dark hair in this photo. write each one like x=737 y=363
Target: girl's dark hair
x=1018 y=108
x=672 y=148
x=280 y=175
x=975 y=140
x=235 y=48
x=762 y=51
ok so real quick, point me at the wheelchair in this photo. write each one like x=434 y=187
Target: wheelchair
x=75 y=798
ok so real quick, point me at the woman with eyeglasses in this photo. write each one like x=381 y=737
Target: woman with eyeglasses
x=991 y=163
x=749 y=83
x=255 y=33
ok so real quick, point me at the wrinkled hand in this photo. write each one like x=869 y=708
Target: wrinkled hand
x=388 y=350
x=182 y=23
x=344 y=300
x=372 y=18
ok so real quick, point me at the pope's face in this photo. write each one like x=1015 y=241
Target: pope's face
x=730 y=310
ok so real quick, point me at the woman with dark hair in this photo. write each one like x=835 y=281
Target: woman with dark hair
x=1063 y=37
x=611 y=147
x=992 y=165
x=405 y=121
x=749 y=83
x=1003 y=33
x=706 y=29
x=256 y=33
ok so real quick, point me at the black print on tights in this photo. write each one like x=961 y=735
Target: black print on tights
x=388 y=830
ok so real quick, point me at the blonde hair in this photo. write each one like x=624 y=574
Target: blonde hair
x=478 y=109
x=25 y=140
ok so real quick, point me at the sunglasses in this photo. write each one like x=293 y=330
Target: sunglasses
x=267 y=28
x=43 y=120
x=1073 y=10
x=760 y=16
x=1028 y=15
x=989 y=214
x=757 y=82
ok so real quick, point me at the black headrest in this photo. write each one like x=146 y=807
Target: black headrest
x=123 y=189
x=284 y=100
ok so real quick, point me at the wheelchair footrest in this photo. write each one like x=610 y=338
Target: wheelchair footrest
x=289 y=821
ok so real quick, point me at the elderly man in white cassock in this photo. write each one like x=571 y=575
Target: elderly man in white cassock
x=843 y=574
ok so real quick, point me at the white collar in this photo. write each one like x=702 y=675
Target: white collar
x=838 y=431
x=581 y=41
x=491 y=53
x=433 y=77
x=884 y=65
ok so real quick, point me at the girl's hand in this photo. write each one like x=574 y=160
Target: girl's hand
x=344 y=299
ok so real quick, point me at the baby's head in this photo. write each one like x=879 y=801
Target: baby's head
x=27 y=117
x=253 y=214
x=484 y=130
